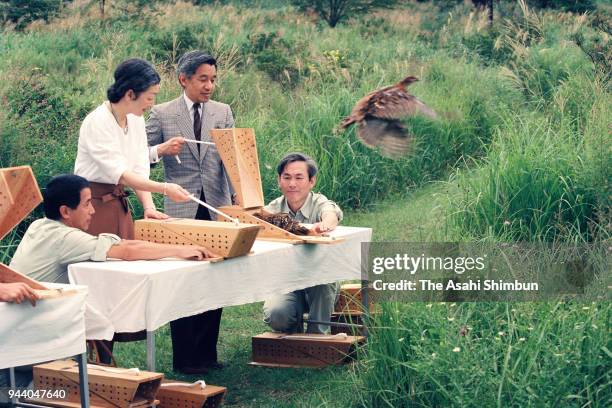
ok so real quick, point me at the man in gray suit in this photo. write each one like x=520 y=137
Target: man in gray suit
x=197 y=168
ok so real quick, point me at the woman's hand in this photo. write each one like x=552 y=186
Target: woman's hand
x=171 y=147
x=176 y=192
x=152 y=213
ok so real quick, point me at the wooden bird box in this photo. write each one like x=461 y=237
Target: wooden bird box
x=106 y=389
x=303 y=350
x=19 y=195
x=238 y=152
x=225 y=239
x=189 y=395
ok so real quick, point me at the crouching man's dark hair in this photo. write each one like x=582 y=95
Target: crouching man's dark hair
x=63 y=190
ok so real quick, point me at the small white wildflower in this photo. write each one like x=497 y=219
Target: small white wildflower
x=501 y=333
x=530 y=328
x=450 y=319
x=586 y=308
x=456 y=349
x=433 y=355
x=401 y=339
x=507 y=222
x=521 y=339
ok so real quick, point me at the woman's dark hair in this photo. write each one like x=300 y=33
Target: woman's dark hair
x=62 y=190
x=135 y=74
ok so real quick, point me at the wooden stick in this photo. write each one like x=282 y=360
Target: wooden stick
x=213 y=209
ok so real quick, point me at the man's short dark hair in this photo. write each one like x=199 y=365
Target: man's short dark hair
x=63 y=190
x=295 y=157
x=189 y=62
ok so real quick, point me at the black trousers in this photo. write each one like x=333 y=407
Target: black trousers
x=194 y=338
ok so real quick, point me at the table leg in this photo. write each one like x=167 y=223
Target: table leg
x=150 y=350
x=83 y=380
x=12 y=384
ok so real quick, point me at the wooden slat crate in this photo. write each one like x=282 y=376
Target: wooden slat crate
x=303 y=350
x=190 y=397
x=225 y=239
x=350 y=299
x=121 y=390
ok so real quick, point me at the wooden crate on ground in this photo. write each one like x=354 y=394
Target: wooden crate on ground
x=189 y=395
x=126 y=389
x=303 y=350
x=225 y=239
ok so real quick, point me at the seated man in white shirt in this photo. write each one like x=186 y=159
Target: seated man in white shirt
x=52 y=243
x=296 y=178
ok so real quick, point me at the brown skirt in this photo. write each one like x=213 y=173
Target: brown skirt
x=112 y=211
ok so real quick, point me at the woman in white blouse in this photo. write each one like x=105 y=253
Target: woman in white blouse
x=113 y=151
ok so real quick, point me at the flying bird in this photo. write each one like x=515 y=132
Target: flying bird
x=378 y=115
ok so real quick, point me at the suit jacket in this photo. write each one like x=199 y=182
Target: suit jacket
x=196 y=171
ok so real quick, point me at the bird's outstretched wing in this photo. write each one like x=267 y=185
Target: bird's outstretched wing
x=395 y=104
x=389 y=136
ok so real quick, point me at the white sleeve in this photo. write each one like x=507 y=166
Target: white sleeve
x=142 y=163
x=103 y=149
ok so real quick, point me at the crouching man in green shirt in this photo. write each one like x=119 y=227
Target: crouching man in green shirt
x=52 y=243
x=296 y=178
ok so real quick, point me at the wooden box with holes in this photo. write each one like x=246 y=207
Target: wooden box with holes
x=225 y=239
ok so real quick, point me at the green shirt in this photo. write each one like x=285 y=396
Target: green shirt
x=49 y=246
x=310 y=213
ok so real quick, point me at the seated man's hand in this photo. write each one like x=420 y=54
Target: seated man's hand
x=197 y=253
x=17 y=292
x=152 y=213
x=328 y=222
x=171 y=147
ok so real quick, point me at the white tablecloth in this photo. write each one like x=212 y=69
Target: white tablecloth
x=131 y=296
x=53 y=329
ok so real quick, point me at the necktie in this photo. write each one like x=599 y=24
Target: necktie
x=197 y=123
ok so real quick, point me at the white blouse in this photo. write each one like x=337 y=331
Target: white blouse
x=105 y=152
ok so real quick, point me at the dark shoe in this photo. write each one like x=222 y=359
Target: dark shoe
x=192 y=370
x=213 y=365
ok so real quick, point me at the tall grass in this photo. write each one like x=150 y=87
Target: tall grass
x=485 y=355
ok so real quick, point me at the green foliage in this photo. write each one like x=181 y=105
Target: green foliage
x=334 y=12
x=43 y=120
x=483 y=354
x=271 y=54
x=22 y=12
x=575 y=6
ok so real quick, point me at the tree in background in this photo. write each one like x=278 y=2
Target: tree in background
x=335 y=11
